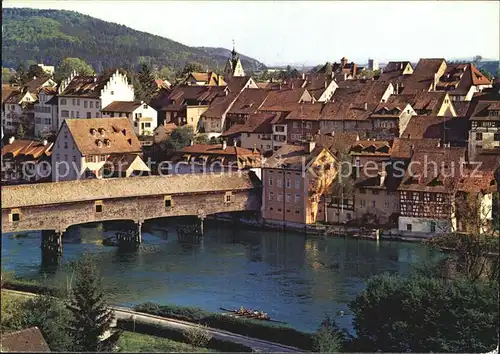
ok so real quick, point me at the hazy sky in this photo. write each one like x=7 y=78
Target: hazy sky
x=277 y=32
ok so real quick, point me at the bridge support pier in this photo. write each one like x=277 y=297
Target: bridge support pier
x=138 y=239
x=51 y=246
x=201 y=225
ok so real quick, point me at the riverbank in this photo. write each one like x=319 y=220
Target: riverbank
x=226 y=331
x=323 y=229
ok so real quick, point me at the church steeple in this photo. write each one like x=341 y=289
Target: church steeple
x=233 y=53
x=233 y=65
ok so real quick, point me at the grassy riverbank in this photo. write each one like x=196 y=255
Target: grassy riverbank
x=131 y=342
x=273 y=332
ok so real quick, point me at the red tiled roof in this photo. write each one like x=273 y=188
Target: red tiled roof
x=249 y=101
x=435 y=170
x=306 y=111
x=255 y=123
x=122 y=106
x=27 y=148
x=402 y=147
x=423 y=75
x=434 y=127
x=25 y=341
x=86 y=86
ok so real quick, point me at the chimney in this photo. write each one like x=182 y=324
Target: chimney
x=310 y=146
x=439 y=144
x=234 y=143
x=11 y=139
x=254 y=150
x=44 y=142
x=279 y=86
x=326 y=84
x=303 y=76
x=191 y=142
x=224 y=145
x=95 y=78
x=412 y=150
x=366 y=106
x=293 y=86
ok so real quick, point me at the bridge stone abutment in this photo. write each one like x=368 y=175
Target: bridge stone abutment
x=51 y=246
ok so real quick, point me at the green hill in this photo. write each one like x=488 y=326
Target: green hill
x=49 y=36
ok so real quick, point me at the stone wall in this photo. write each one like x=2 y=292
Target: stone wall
x=60 y=216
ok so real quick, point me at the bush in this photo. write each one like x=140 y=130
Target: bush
x=425 y=314
x=198 y=337
x=252 y=328
x=30 y=286
x=329 y=338
x=177 y=335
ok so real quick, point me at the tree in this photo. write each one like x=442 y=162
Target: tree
x=477 y=59
x=329 y=338
x=179 y=138
x=68 y=65
x=192 y=67
x=46 y=312
x=166 y=73
x=486 y=73
x=6 y=75
x=92 y=317
x=202 y=139
x=146 y=87
x=426 y=314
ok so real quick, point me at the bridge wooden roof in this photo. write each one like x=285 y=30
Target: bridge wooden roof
x=99 y=189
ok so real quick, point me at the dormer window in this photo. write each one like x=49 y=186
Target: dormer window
x=494 y=113
x=107 y=142
x=112 y=92
x=92 y=131
x=102 y=131
x=99 y=143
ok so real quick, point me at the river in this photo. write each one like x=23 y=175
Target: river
x=294 y=278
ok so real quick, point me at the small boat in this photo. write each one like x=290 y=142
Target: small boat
x=251 y=314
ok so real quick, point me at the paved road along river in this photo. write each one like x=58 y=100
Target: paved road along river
x=294 y=278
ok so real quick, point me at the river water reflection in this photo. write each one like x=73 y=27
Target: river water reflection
x=294 y=278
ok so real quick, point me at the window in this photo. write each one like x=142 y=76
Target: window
x=496 y=136
x=112 y=92
x=168 y=201
x=65 y=157
x=63 y=102
x=295 y=124
x=89 y=115
x=148 y=125
x=65 y=144
x=288 y=197
x=270 y=181
x=47 y=120
x=280 y=197
x=228 y=197
x=374 y=192
x=479 y=136
x=65 y=114
x=308 y=125
x=74 y=102
x=85 y=104
x=97 y=115
x=433 y=226
x=96 y=105
x=77 y=114
x=271 y=208
x=297 y=198
x=15 y=217
x=374 y=204
x=408 y=227
x=362 y=191
x=77 y=101
x=74 y=158
x=98 y=208
x=297 y=211
x=91 y=104
x=387 y=204
x=271 y=195
x=72 y=114
x=288 y=183
x=145 y=106
x=280 y=183
x=279 y=128
x=362 y=203
x=297 y=184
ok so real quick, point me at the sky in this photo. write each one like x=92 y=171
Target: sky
x=310 y=32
